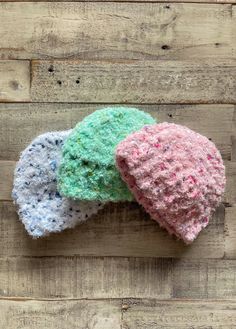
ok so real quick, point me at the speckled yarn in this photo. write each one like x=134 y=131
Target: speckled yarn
x=176 y=174
x=40 y=206
x=88 y=170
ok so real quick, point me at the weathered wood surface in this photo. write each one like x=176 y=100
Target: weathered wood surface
x=117 y=230
x=90 y=30
x=230 y=193
x=78 y=314
x=119 y=81
x=134 y=81
x=20 y=123
x=230 y=232
x=14 y=80
x=114 y=277
x=75 y=277
x=120 y=314
x=6 y=179
x=179 y=315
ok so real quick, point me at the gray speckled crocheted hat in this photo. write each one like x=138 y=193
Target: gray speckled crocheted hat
x=40 y=206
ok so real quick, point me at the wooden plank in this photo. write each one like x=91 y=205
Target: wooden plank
x=14 y=80
x=230 y=232
x=108 y=277
x=6 y=179
x=179 y=315
x=79 y=314
x=105 y=314
x=134 y=81
x=87 y=277
x=118 y=230
x=204 y=279
x=20 y=123
x=89 y=30
x=230 y=193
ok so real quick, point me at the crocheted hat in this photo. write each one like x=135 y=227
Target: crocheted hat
x=176 y=174
x=88 y=170
x=41 y=208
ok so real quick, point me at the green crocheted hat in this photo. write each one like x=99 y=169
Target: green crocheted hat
x=88 y=170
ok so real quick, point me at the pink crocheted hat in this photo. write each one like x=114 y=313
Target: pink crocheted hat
x=176 y=174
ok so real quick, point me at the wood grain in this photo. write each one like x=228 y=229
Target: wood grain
x=116 y=277
x=20 y=123
x=230 y=193
x=134 y=81
x=6 y=179
x=230 y=232
x=179 y=315
x=126 y=314
x=118 y=230
x=75 y=277
x=14 y=80
x=79 y=314
x=89 y=30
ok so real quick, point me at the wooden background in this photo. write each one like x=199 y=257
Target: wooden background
x=59 y=61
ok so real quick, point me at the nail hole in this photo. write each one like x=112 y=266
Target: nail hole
x=78 y=81
x=59 y=82
x=14 y=84
x=167 y=7
x=210 y=139
x=165 y=47
x=170 y=115
x=217 y=44
x=51 y=69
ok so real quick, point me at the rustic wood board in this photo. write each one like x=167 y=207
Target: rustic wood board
x=134 y=81
x=179 y=315
x=90 y=30
x=60 y=61
x=78 y=314
x=74 y=277
x=230 y=232
x=117 y=314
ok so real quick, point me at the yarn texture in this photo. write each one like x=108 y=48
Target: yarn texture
x=88 y=170
x=41 y=208
x=176 y=174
